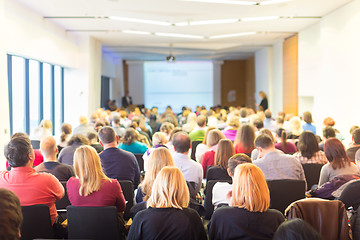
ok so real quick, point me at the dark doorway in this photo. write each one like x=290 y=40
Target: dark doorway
x=105 y=91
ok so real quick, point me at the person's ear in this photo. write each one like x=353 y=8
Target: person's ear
x=229 y=172
x=117 y=138
x=101 y=143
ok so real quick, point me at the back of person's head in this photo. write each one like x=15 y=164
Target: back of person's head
x=46 y=124
x=78 y=139
x=174 y=131
x=353 y=128
x=250 y=190
x=262 y=94
x=356 y=135
x=296 y=229
x=233 y=121
x=214 y=136
x=18 y=151
x=329 y=132
x=10 y=215
x=130 y=136
x=280 y=120
x=159 y=158
x=93 y=137
x=281 y=133
x=48 y=146
x=268 y=113
x=107 y=135
x=166 y=127
x=169 y=190
x=237 y=159
x=329 y=122
x=243 y=112
x=201 y=120
x=357 y=157
x=258 y=123
x=267 y=132
x=307 y=117
x=223 y=152
x=308 y=144
x=335 y=153
x=83 y=120
x=181 y=142
x=116 y=120
x=246 y=136
x=207 y=134
x=264 y=141
x=66 y=129
x=295 y=126
x=159 y=138
x=88 y=169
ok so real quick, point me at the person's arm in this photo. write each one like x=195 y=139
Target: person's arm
x=136 y=173
x=324 y=175
x=135 y=229
x=120 y=199
x=204 y=162
x=55 y=187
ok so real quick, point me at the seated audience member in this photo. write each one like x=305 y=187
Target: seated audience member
x=65 y=137
x=192 y=170
x=329 y=122
x=243 y=115
x=44 y=130
x=94 y=142
x=10 y=215
x=131 y=143
x=167 y=128
x=232 y=127
x=308 y=126
x=224 y=151
x=208 y=157
x=84 y=128
x=159 y=140
x=204 y=146
x=31 y=187
x=168 y=215
x=275 y=164
x=249 y=216
x=295 y=128
x=212 y=120
x=190 y=123
x=116 y=163
x=296 y=229
x=50 y=165
x=91 y=187
x=355 y=146
x=309 y=151
x=258 y=125
x=269 y=123
x=120 y=131
x=158 y=159
x=67 y=154
x=282 y=143
x=339 y=163
x=328 y=132
x=221 y=189
x=279 y=122
x=255 y=152
x=170 y=144
x=244 y=141
x=198 y=133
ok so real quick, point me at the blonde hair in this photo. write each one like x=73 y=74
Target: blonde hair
x=88 y=169
x=46 y=124
x=83 y=120
x=206 y=134
x=159 y=138
x=233 y=122
x=169 y=190
x=158 y=159
x=213 y=138
x=295 y=126
x=225 y=150
x=250 y=190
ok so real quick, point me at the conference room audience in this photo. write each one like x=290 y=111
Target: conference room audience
x=30 y=187
x=328 y=132
x=282 y=143
x=94 y=142
x=269 y=123
x=232 y=127
x=190 y=122
x=50 y=165
x=198 y=133
x=203 y=147
x=131 y=144
x=167 y=128
x=296 y=229
x=117 y=163
x=295 y=128
x=309 y=151
x=42 y=131
x=244 y=141
x=355 y=134
x=91 y=187
x=84 y=128
x=224 y=151
x=255 y=152
x=170 y=144
x=308 y=126
x=339 y=163
x=168 y=215
x=248 y=216
x=66 y=155
x=159 y=140
x=66 y=131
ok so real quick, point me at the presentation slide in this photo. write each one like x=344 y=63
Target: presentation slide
x=178 y=84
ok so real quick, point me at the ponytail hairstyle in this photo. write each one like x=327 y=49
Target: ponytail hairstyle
x=282 y=134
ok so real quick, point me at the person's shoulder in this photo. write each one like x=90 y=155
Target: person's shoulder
x=225 y=211
x=275 y=214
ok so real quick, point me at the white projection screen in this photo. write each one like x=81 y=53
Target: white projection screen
x=188 y=83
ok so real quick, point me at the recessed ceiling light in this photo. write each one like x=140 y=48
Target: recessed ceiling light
x=136 y=32
x=223 y=2
x=250 y=19
x=232 y=35
x=207 y=22
x=269 y=2
x=178 y=35
x=136 y=20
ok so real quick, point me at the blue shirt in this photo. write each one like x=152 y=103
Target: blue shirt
x=135 y=147
x=309 y=127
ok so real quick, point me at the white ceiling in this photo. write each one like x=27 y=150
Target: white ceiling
x=151 y=47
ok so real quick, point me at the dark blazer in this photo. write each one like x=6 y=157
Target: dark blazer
x=125 y=103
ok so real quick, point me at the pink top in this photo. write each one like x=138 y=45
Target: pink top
x=38 y=158
x=33 y=188
x=110 y=194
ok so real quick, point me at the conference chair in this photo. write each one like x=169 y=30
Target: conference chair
x=328 y=217
x=285 y=191
x=193 y=149
x=64 y=202
x=128 y=191
x=209 y=207
x=93 y=223
x=140 y=161
x=312 y=173
x=36 y=222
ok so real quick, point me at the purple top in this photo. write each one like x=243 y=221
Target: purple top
x=230 y=134
x=290 y=147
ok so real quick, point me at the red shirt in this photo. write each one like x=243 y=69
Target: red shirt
x=33 y=188
x=207 y=160
x=38 y=158
x=240 y=149
x=110 y=194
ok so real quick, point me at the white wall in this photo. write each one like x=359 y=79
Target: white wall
x=276 y=94
x=329 y=66
x=263 y=74
x=113 y=68
x=217 y=83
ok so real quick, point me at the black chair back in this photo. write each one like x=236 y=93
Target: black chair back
x=36 y=222
x=209 y=207
x=284 y=192
x=193 y=149
x=312 y=173
x=128 y=191
x=35 y=144
x=350 y=196
x=140 y=161
x=93 y=223
x=64 y=202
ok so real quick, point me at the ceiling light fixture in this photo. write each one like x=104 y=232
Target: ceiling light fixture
x=245 y=3
x=253 y=19
x=270 y=2
x=207 y=22
x=136 y=32
x=178 y=35
x=136 y=20
x=232 y=35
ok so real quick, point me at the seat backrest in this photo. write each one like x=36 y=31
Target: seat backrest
x=328 y=217
x=312 y=173
x=93 y=223
x=36 y=223
x=284 y=192
x=64 y=202
x=128 y=191
x=209 y=207
x=193 y=149
x=140 y=160
x=350 y=196
x=35 y=144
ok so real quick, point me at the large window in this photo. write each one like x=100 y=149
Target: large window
x=36 y=92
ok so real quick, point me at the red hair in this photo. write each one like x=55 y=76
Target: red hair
x=335 y=153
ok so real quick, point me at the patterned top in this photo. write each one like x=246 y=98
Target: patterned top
x=319 y=157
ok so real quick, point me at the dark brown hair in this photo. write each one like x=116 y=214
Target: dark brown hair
x=308 y=145
x=246 y=136
x=66 y=129
x=282 y=134
x=335 y=153
x=17 y=151
x=224 y=151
